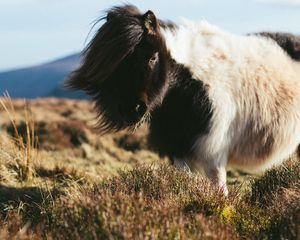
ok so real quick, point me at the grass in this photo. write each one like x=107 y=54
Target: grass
x=115 y=188
x=25 y=145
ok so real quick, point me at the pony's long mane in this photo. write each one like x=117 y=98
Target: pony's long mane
x=101 y=57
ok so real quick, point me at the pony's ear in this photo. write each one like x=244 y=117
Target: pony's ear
x=150 y=23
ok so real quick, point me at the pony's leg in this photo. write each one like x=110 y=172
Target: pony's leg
x=215 y=170
x=181 y=165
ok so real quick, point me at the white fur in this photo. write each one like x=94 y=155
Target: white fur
x=254 y=87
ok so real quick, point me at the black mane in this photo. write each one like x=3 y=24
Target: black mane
x=117 y=37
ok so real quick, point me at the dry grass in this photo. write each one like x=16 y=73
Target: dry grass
x=113 y=187
x=25 y=144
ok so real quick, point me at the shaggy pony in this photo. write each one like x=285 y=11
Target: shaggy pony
x=215 y=98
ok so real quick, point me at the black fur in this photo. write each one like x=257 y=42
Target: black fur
x=288 y=42
x=184 y=115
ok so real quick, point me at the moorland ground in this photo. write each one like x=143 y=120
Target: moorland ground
x=60 y=179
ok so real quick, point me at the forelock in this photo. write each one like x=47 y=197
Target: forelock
x=113 y=42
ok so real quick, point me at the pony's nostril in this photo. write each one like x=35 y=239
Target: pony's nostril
x=132 y=113
x=140 y=108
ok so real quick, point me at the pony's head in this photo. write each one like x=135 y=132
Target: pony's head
x=124 y=68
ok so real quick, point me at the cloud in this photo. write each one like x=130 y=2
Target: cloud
x=285 y=3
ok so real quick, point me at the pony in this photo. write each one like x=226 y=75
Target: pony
x=212 y=99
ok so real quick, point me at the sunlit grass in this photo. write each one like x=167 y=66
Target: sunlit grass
x=62 y=199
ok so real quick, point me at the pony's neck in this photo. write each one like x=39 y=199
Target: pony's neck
x=186 y=40
x=178 y=43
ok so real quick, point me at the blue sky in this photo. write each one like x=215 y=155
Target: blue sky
x=36 y=31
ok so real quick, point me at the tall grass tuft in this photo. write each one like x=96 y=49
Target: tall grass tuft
x=25 y=144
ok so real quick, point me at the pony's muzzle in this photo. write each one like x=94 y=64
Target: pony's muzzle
x=140 y=109
x=131 y=114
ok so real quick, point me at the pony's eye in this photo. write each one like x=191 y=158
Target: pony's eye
x=153 y=59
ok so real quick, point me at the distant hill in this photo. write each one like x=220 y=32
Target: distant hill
x=41 y=81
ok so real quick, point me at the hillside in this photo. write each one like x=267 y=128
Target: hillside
x=40 y=81
x=60 y=179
